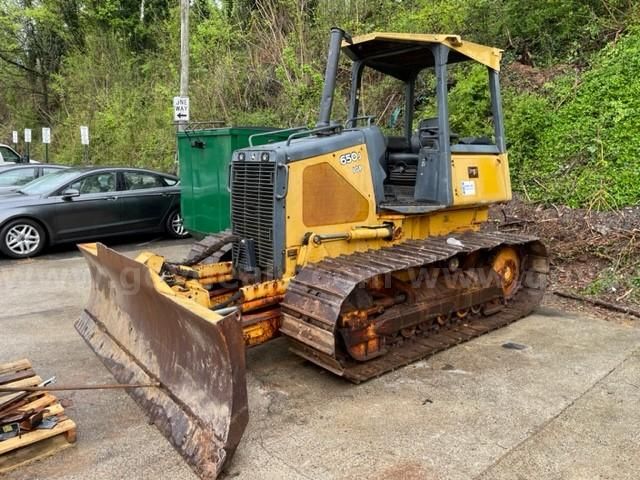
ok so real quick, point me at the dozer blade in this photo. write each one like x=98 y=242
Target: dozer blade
x=142 y=332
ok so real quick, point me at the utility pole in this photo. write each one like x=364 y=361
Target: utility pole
x=184 y=56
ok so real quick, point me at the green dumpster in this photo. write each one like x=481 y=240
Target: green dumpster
x=204 y=156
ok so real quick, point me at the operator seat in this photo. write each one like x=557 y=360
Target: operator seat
x=402 y=164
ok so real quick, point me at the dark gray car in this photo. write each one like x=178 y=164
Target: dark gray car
x=14 y=176
x=84 y=204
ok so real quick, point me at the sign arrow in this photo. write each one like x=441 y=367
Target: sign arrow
x=180 y=115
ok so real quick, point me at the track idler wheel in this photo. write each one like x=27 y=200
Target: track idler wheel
x=506 y=263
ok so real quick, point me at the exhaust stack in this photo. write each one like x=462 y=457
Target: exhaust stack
x=330 y=74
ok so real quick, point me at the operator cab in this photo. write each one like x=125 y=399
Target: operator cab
x=414 y=172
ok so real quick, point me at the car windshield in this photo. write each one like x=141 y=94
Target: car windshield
x=48 y=183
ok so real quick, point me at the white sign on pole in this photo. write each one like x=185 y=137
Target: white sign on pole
x=84 y=135
x=46 y=135
x=180 y=109
x=27 y=135
x=15 y=137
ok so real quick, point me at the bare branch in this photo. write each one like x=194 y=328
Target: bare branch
x=19 y=65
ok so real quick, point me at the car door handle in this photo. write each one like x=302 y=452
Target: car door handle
x=113 y=197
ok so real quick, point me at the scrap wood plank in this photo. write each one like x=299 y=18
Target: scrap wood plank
x=34 y=396
x=53 y=407
x=19 y=402
x=6 y=399
x=14 y=366
x=66 y=428
x=33 y=452
x=38 y=443
x=13 y=376
x=41 y=402
x=35 y=445
x=25 y=382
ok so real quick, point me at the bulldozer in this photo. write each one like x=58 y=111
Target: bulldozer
x=361 y=247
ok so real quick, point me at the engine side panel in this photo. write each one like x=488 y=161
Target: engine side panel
x=480 y=178
x=328 y=193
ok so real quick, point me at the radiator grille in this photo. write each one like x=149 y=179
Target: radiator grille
x=252 y=210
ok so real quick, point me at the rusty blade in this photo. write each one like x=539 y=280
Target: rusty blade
x=143 y=333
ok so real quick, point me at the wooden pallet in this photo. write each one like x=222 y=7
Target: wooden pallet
x=40 y=443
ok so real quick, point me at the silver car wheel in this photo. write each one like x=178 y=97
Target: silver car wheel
x=177 y=225
x=22 y=239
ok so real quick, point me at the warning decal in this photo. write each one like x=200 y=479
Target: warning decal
x=468 y=187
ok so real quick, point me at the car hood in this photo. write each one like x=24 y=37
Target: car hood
x=14 y=199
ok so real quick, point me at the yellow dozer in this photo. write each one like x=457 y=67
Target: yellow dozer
x=361 y=247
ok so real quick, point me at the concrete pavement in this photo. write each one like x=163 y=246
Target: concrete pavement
x=564 y=407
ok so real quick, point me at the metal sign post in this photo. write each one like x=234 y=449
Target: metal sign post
x=15 y=140
x=184 y=63
x=46 y=139
x=84 y=140
x=181 y=117
x=27 y=141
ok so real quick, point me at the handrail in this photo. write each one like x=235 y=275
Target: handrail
x=283 y=195
x=229 y=171
x=312 y=131
x=354 y=121
x=271 y=132
x=190 y=128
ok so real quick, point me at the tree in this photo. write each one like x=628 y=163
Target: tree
x=35 y=37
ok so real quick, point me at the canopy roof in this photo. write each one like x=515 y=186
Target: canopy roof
x=402 y=55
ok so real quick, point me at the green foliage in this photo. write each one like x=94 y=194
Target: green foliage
x=34 y=37
x=618 y=281
x=605 y=282
x=546 y=30
x=132 y=20
x=527 y=116
x=128 y=126
x=581 y=143
x=113 y=65
x=470 y=102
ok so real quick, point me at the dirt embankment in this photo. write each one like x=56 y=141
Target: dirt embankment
x=593 y=254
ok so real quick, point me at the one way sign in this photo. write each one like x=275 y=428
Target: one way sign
x=180 y=109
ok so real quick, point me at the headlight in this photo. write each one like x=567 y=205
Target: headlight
x=264 y=156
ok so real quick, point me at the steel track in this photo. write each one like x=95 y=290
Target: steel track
x=210 y=249
x=315 y=298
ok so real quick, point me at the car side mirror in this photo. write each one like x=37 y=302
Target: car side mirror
x=70 y=193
